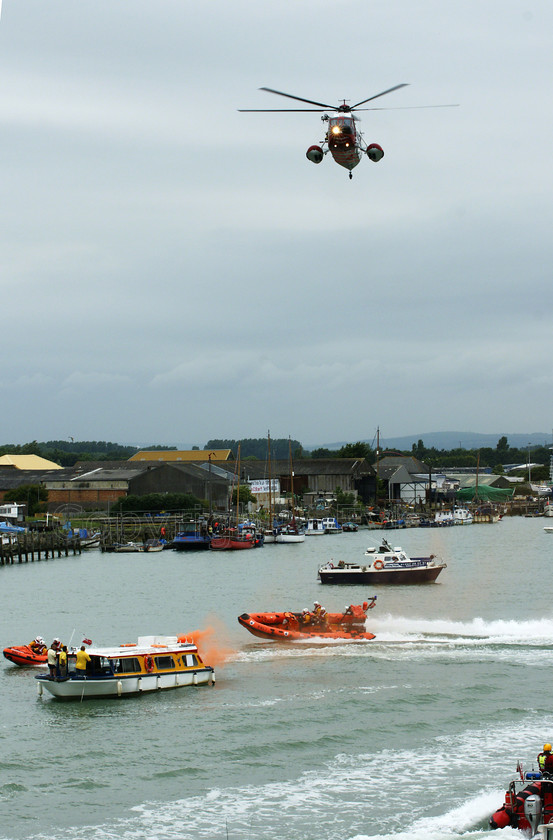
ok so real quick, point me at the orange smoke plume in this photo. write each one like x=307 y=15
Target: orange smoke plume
x=212 y=643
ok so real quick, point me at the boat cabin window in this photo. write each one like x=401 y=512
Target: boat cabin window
x=102 y=665
x=190 y=660
x=126 y=665
x=163 y=663
x=97 y=665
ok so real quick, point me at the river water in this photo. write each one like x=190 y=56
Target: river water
x=412 y=735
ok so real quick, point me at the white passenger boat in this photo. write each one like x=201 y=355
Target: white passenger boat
x=290 y=534
x=385 y=565
x=150 y=664
x=462 y=516
x=331 y=525
x=314 y=528
x=457 y=516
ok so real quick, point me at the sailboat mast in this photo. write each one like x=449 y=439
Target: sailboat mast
x=238 y=490
x=291 y=478
x=270 y=480
x=377 y=463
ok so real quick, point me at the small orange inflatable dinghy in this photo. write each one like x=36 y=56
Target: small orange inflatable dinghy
x=25 y=655
x=292 y=626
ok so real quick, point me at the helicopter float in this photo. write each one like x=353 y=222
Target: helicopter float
x=342 y=138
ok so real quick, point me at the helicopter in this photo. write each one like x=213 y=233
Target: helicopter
x=342 y=138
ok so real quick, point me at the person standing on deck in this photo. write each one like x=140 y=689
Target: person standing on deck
x=82 y=660
x=52 y=659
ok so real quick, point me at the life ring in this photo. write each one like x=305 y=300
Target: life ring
x=149 y=664
x=378 y=564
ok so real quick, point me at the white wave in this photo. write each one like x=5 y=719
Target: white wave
x=477 y=631
x=456 y=824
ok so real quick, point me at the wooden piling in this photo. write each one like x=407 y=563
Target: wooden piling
x=36 y=546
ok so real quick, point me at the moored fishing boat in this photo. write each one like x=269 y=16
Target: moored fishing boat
x=151 y=664
x=349 y=527
x=290 y=533
x=134 y=547
x=86 y=539
x=232 y=540
x=128 y=547
x=528 y=804
x=385 y=565
x=331 y=525
x=457 y=516
x=91 y=540
x=314 y=528
x=192 y=538
x=291 y=626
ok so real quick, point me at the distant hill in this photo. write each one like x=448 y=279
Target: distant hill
x=451 y=440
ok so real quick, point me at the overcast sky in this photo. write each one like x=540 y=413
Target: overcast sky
x=174 y=271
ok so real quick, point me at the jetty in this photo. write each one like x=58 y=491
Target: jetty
x=37 y=546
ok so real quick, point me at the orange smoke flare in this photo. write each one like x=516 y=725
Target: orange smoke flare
x=209 y=641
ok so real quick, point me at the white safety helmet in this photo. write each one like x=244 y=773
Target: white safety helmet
x=305 y=610
x=316 y=604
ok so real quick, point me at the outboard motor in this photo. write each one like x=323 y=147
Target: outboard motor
x=375 y=152
x=532 y=811
x=314 y=154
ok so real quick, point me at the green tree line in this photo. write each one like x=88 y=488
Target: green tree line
x=68 y=452
x=257 y=448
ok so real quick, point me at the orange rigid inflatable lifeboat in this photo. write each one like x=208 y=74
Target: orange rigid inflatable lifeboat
x=528 y=803
x=289 y=626
x=24 y=655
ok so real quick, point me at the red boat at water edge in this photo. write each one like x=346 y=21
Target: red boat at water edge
x=290 y=626
x=229 y=542
x=24 y=655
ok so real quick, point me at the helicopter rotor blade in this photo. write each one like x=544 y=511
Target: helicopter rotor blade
x=300 y=98
x=281 y=110
x=408 y=107
x=384 y=92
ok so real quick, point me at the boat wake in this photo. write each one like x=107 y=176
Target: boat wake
x=460 y=823
x=477 y=631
